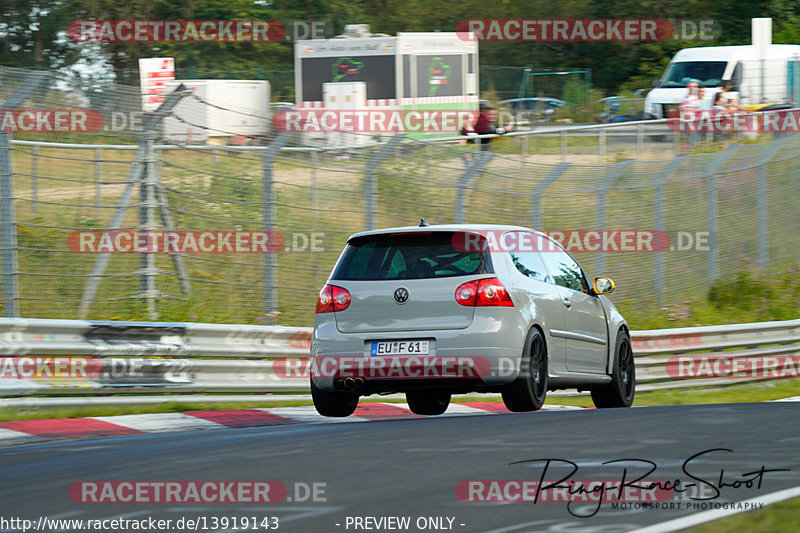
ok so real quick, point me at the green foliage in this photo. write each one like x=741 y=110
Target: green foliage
x=29 y=32
x=753 y=293
x=748 y=295
x=746 y=290
x=576 y=91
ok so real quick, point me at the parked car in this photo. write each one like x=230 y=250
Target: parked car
x=621 y=109
x=528 y=110
x=435 y=310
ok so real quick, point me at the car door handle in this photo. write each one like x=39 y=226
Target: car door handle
x=567 y=302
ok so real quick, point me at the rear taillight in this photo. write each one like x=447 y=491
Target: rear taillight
x=492 y=293
x=332 y=298
x=483 y=293
x=466 y=292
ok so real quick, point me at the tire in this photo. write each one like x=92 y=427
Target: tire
x=428 y=402
x=621 y=390
x=335 y=404
x=529 y=390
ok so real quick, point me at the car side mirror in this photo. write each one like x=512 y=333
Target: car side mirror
x=602 y=285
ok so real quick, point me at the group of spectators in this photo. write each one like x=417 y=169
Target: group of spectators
x=723 y=100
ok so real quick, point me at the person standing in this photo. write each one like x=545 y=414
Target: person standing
x=690 y=108
x=701 y=98
x=691 y=102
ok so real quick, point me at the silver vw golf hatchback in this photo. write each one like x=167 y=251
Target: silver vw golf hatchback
x=436 y=310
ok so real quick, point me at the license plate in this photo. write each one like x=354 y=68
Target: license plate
x=400 y=348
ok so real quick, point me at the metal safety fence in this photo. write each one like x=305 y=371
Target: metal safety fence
x=663 y=226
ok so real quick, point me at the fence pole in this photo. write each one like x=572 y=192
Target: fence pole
x=8 y=227
x=481 y=159
x=536 y=193
x=762 y=215
x=563 y=144
x=610 y=179
x=314 y=192
x=371 y=176
x=676 y=143
x=763 y=229
x=713 y=242
x=601 y=145
x=35 y=180
x=658 y=199
x=98 y=179
x=8 y=230
x=268 y=199
x=639 y=140
x=147 y=224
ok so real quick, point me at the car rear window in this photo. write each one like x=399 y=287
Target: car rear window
x=416 y=255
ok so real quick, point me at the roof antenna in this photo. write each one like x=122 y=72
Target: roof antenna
x=422 y=223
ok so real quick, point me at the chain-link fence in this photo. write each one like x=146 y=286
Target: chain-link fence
x=663 y=228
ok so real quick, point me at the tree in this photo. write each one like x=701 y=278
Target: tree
x=32 y=34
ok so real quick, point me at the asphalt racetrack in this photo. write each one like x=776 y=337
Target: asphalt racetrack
x=413 y=475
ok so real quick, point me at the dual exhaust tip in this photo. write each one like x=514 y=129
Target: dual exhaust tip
x=352 y=383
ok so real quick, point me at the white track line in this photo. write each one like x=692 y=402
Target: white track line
x=457 y=409
x=9 y=435
x=716 y=514
x=307 y=414
x=160 y=422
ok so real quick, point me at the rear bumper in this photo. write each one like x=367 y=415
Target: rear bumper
x=484 y=355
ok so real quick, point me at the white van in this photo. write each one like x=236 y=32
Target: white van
x=774 y=80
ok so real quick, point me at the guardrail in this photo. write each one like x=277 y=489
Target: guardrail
x=732 y=354
x=638 y=127
x=67 y=357
x=76 y=357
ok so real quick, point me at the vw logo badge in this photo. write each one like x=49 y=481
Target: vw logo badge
x=401 y=295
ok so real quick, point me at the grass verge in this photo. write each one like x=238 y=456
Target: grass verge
x=776 y=518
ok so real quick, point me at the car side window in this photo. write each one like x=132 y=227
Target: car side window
x=565 y=270
x=530 y=264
